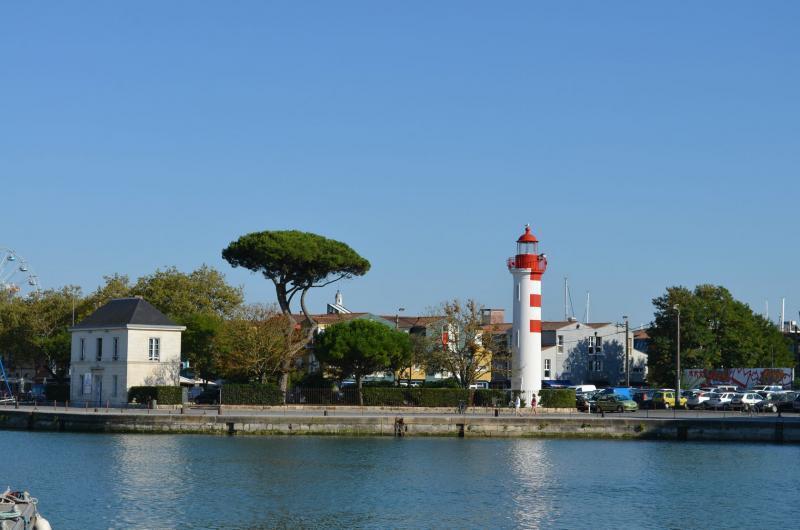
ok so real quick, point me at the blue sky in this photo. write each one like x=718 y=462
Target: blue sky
x=648 y=144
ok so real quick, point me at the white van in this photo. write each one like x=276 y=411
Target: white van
x=581 y=389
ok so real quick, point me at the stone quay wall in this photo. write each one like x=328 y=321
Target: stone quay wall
x=779 y=430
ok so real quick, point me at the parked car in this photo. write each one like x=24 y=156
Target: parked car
x=745 y=401
x=586 y=401
x=719 y=401
x=726 y=388
x=778 y=401
x=644 y=398
x=697 y=401
x=616 y=403
x=665 y=399
x=767 y=388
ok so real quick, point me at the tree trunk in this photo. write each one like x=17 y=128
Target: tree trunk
x=360 y=393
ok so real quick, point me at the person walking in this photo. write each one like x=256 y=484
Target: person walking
x=516 y=405
x=533 y=403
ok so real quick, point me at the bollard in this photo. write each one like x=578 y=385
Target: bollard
x=325 y=412
x=496 y=412
x=182 y=409
x=106 y=405
x=219 y=410
x=55 y=404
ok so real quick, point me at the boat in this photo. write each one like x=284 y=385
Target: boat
x=20 y=511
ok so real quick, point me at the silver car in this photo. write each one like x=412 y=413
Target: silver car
x=720 y=401
x=746 y=401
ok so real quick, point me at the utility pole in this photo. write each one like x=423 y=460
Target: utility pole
x=627 y=354
x=678 y=358
x=566 y=291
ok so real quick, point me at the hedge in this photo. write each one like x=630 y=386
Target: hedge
x=251 y=394
x=56 y=392
x=557 y=398
x=491 y=398
x=164 y=395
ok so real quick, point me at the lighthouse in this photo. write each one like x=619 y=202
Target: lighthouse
x=527 y=268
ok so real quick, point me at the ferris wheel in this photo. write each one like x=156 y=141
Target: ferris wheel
x=16 y=276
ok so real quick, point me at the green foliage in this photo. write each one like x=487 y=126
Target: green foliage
x=557 y=398
x=34 y=329
x=198 y=343
x=360 y=347
x=450 y=382
x=56 y=392
x=164 y=395
x=716 y=331
x=490 y=398
x=180 y=295
x=415 y=397
x=251 y=394
x=291 y=256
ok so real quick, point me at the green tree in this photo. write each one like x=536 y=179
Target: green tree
x=199 y=343
x=360 y=347
x=180 y=294
x=34 y=329
x=295 y=262
x=717 y=331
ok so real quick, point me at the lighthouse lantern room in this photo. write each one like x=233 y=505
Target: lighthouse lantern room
x=527 y=268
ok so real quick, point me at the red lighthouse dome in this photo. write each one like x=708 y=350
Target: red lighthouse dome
x=528 y=253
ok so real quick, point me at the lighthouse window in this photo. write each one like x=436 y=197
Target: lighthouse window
x=518 y=293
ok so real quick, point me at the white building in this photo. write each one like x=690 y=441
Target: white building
x=125 y=343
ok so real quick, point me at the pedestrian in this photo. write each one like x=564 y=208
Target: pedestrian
x=533 y=403
x=516 y=405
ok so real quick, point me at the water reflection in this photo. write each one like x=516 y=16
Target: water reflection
x=149 y=471
x=531 y=469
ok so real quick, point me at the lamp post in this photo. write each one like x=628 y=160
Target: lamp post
x=678 y=358
x=627 y=354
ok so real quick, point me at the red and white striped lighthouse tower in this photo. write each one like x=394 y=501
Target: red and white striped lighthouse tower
x=527 y=268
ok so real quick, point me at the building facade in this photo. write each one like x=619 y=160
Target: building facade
x=123 y=344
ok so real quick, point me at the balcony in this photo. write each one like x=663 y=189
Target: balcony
x=534 y=262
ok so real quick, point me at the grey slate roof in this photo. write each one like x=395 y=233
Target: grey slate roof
x=123 y=311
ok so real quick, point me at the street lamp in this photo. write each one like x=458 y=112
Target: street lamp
x=627 y=354
x=677 y=308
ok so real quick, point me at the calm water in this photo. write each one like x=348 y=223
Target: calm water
x=141 y=481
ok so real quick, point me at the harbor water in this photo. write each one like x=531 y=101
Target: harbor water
x=86 y=481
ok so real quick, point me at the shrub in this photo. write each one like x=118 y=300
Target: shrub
x=450 y=382
x=164 y=395
x=490 y=398
x=251 y=394
x=438 y=397
x=557 y=398
x=56 y=391
x=385 y=396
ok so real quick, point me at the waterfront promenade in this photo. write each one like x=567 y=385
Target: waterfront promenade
x=372 y=421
